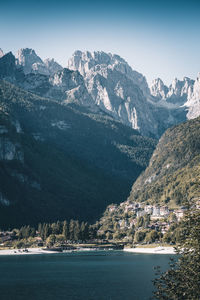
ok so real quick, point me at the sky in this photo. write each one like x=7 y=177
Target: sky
x=157 y=38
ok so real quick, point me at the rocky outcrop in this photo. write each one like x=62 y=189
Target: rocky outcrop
x=193 y=100
x=116 y=89
x=87 y=61
x=29 y=60
x=52 y=66
x=181 y=94
x=158 y=89
x=177 y=93
x=63 y=84
x=180 y=90
x=32 y=63
x=10 y=150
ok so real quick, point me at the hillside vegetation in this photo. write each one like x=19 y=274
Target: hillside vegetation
x=62 y=161
x=173 y=174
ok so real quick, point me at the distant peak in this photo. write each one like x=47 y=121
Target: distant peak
x=156 y=81
x=26 y=51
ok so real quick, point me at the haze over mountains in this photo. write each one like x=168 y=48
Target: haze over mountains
x=73 y=140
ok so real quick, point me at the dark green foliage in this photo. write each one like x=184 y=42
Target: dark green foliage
x=26 y=231
x=73 y=231
x=173 y=174
x=139 y=236
x=65 y=230
x=69 y=172
x=182 y=280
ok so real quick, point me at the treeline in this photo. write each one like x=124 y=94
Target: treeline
x=61 y=231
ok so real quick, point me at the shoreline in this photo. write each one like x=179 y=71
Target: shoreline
x=156 y=250
x=22 y=252
x=36 y=251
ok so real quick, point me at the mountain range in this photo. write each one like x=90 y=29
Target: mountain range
x=73 y=140
x=106 y=82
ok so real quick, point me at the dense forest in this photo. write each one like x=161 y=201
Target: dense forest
x=173 y=174
x=62 y=161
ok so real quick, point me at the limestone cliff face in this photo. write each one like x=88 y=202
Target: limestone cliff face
x=116 y=89
x=52 y=66
x=86 y=61
x=183 y=94
x=32 y=63
x=158 y=89
x=193 y=100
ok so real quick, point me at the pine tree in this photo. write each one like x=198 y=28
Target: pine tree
x=59 y=227
x=82 y=231
x=65 y=231
x=71 y=229
x=40 y=229
x=47 y=231
x=76 y=231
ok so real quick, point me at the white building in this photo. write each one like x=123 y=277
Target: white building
x=141 y=213
x=164 y=211
x=148 y=209
x=156 y=211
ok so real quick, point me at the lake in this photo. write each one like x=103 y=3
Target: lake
x=98 y=275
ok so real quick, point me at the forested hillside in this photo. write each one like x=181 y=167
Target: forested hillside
x=173 y=174
x=62 y=161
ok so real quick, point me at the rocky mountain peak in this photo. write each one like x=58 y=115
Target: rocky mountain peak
x=84 y=61
x=98 y=61
x=120 y=91
x=52 y=66
x=67 y=78
x=28 y=59
x=158 y=89
x=193 y=101
x=32 y=63
x=177 y=93
x=180 y=88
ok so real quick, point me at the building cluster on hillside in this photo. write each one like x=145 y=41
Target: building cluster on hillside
x=159 y=215
x=155 y=211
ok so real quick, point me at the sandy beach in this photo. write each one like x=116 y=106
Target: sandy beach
x=156 y=250
x=22 y=252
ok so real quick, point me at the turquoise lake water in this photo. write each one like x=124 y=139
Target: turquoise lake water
x=103 y=275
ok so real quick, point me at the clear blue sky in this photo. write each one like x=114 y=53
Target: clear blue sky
x=157 y=38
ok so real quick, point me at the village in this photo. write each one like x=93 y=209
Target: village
x=124 y=220
x=119 y=224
